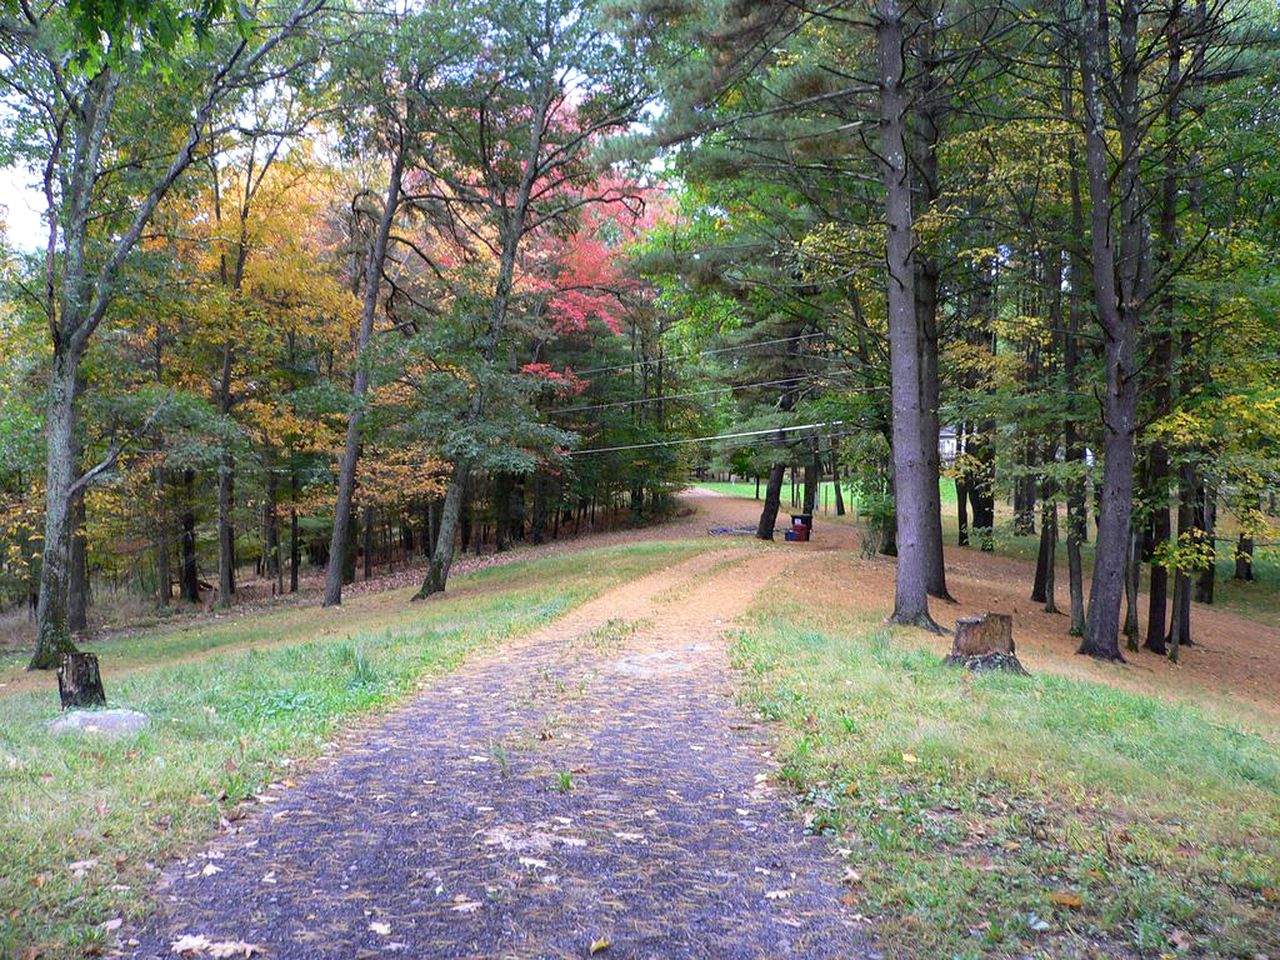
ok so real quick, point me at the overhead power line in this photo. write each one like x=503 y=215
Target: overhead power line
x=722 y=436
x=697 y=353
x=639 y=401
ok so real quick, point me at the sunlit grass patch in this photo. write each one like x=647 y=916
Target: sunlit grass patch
x=999 y=815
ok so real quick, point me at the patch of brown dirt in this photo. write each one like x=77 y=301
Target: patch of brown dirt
x=1234 y=666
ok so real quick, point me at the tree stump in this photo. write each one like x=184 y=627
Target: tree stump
x=985 y=643
x=79 y=682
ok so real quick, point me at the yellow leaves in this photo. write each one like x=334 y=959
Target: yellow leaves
x=599 y=944
x=396 y=476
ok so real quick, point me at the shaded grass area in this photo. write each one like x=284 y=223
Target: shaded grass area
x=84 y=819
x=993 y=816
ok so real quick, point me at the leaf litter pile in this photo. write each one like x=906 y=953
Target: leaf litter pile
x=591 y=791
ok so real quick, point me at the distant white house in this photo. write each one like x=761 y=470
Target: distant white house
x=948 y=445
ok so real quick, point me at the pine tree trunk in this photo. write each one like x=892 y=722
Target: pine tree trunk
x=910 y=467
x=1117 y=307
x=772 y=502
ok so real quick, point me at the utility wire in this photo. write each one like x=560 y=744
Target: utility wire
x=722 y=436
x=802 y=378
x=697 y=353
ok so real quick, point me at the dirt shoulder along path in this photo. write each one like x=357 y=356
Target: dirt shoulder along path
x=592 y=786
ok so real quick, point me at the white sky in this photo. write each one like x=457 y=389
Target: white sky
x=23 y=207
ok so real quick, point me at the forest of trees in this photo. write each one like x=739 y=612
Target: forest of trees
x=323 y=289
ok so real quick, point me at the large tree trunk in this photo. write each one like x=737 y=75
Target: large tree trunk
x=1117 y=309
x=930 y=108
x=53 y=639
x=78 y=597
x=772 y=501
x=351 y=446
x=910 y=468
x=1077 y=522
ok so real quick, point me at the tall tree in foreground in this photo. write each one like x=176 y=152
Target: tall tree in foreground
x=1120 y=277
x=910 y=467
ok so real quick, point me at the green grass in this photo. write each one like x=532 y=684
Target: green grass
x=226 y=724
x=968 y=804
x=826 y=493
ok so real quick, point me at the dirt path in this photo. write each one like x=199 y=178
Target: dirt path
x=591 y=783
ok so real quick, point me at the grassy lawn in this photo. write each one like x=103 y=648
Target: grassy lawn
x=84 y=818
x=826 y=492
x=1004 y=816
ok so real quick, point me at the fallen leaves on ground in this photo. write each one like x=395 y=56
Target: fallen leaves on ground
x=601 y=943
x=195 y=944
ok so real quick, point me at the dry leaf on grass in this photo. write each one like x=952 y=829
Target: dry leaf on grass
x=380 y=928
x=189 y=944
x=602 y=943
x=1065 y=898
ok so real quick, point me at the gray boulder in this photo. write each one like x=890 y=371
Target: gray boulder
x=108 y=723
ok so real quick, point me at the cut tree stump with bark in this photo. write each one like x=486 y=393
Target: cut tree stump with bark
x=80 y=682
x=985 y=643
